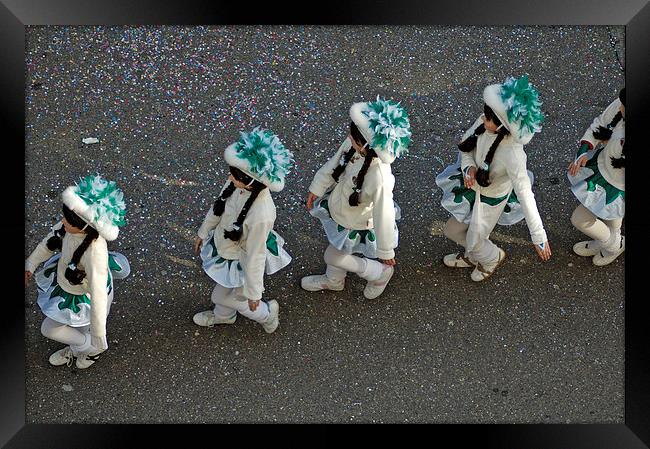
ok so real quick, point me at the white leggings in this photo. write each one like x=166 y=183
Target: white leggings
x=485 y=253
x=606 y=232
x=339 y=263
x=229 y=301
x=78 y=338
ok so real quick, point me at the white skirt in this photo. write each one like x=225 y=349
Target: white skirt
x=350 y=241
x=459 y=200
x=66 y=308
x=594 y=192
x=229 y=272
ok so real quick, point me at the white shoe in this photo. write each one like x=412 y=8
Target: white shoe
x=482 y=272
x=604 y=257
x=207 y=319
x=375 y=288
x=587 y=248
x=85 y=360
x=62 y=357
x=457 y=260
x=271 y=324
x=319 y=282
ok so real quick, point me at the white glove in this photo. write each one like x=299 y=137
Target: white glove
x=99 y=342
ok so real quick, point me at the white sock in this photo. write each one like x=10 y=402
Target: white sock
x=335 y=274
x=83 y=348
x=613 y=244
x=373 y=270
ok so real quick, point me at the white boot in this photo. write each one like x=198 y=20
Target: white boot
x=319 y=282
x=482 y=272
x=457 y=260
x=85 y=360
x=605 y=257
x=587 y=248
x=62 y=357
x=207 y=319
x=375 y=288
x=272 y=322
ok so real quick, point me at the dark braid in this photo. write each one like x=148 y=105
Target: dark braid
x=73 y=273
x=469 y=144
x=604 y=133
x=55 y=243
x=358 y=137
x=220 y=203
x=236 y=232
x=483 y=176
x=619 y=162
x=354 y=197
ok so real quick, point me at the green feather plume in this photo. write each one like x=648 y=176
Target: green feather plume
x=522 y=104
x=105 y=199
x=391 y=126
x=265 y=154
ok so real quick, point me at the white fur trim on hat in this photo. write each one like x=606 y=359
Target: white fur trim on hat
x=230 y=155
x=384 y=125
x=516 y=103
x=107 y=230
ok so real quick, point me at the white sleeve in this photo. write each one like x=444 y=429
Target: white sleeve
x=521 y=183
x=383 y=215
x=323 y=178
x=209 y=223
x=603 y=119
x=95 y=261
x=467 y=159
x=41 y=253
x=253 y=258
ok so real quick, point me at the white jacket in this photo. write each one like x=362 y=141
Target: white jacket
x=613 y=147
x=94 y=262
x=507 y=172
x=250 y=249
x=376 y=209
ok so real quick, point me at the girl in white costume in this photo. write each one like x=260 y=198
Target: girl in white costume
x=75 y=286
x=491 y=168
x=352 y=195
x=598 y=181
x=236 y=239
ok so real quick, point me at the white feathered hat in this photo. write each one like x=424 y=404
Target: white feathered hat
x=516 y=103
x=262 y=156
x=385 y=126
x=99 y=203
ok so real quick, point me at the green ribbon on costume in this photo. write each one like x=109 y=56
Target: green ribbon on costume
x=582 y=150
x=364 y=234
x=325 y=206
x=112 y=265
x=272 y=244
x=597 y=179
x=461 y=192
x=70 y=301
x=214 y=247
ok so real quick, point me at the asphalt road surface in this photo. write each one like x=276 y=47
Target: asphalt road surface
x=536 y=343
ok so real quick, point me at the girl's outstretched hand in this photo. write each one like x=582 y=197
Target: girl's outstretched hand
x=544 y=251
x=197 y=244
x=28 y=277
x=575 y=165
x=310 y=200
x=470 y=177
x=391 y=262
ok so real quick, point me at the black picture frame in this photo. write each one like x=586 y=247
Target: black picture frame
x=635 y=15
